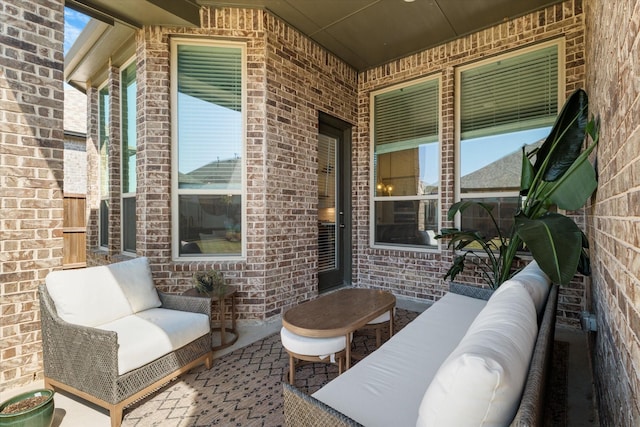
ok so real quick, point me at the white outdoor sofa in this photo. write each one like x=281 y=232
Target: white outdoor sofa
x=465 y=361
x=109 y=337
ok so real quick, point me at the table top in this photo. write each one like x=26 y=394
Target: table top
x=338 y=313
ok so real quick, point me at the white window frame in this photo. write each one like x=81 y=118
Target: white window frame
x=108 y=177
x=175 y=191
x=373 y=198
x=124 y=195
x=560 y=43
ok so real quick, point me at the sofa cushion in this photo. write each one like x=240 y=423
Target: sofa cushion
x=96 y=295
x=536 y=282
x=307 y=346
x=88 y=296
x=134 y=277
x=386 y=387
x=150 y=334
x=482 y=380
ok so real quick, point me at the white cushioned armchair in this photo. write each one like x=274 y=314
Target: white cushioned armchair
x=109 y=337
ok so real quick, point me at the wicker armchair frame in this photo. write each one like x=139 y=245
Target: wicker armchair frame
x=84 y=361
x=302 y=410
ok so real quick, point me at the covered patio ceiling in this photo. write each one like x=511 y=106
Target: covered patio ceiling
x=363 y=33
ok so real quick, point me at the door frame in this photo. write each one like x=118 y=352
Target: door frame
x=343 y=130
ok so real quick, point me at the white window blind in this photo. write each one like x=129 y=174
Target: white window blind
x=210 y=140
x=212 y=74
x=406 y=117
x=511 y=94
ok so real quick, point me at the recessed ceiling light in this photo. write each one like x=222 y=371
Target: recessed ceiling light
x=409 y=1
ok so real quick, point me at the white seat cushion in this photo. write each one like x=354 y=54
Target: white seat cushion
x=150 y=334
x=386 y=387
x=481 y=382
x=321 y=347
x=384 y=317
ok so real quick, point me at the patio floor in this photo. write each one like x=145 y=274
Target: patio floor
x=72 y=411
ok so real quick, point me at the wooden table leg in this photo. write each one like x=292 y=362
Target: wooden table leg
x=347 y=353
x=223 y=326
x=390 y=323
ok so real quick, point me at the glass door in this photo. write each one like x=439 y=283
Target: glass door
x=332 y=221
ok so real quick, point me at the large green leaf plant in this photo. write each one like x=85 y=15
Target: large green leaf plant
x=561 y=176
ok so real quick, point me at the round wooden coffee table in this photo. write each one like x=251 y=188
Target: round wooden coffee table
x=339 y=313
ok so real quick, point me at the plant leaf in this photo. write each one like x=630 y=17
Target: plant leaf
x=575 y=187
x=456 y=267
x=564 y=143
x=463 y=205
x=555 y=242
x=527 y=174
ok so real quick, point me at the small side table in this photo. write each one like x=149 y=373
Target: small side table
x=223 y=312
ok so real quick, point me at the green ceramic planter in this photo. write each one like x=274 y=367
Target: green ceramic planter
x=39 y=416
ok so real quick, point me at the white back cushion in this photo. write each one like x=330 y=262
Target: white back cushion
x=134 y=277
x=481 y=382
x=536 y=282
x=96 y=295
x=88 y=296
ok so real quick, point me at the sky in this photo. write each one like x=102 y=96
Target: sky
x=74 y=22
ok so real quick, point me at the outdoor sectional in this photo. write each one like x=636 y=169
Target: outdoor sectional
x=109 y=337
x=464 y=361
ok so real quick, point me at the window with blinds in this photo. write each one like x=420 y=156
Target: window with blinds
x=327 y=221
x=512 y=94
x=505 y=103
x=406 y=135
x=208 y=133
x=129 y=149
x=406 y=117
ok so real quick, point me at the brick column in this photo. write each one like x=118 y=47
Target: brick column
x=115 y=151
x=153 y=196
x=31 y=176
x=93 y=172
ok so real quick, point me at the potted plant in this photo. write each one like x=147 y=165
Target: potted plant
x=31 y=409
x=561 y=176
x=210 y=282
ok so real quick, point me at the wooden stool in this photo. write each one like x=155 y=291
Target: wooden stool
x=377 y=324
x=325 y=350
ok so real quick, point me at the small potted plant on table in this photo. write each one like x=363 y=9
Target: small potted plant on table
x=210 y=283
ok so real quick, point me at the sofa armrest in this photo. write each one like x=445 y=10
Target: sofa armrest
x=531 y=410
x=186 y=303
x=302 y=410
x=81 y=356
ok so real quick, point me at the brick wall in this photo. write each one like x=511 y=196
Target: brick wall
x=75 y=143
x=302 y=79
x=31 y=176
x=613 y=81
x=419 y=275
x=75 y=165
x=289 y=77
